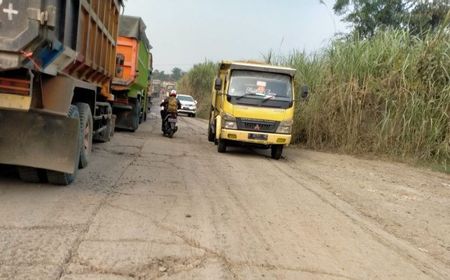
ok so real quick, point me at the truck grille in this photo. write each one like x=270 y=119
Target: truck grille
x=257 y=125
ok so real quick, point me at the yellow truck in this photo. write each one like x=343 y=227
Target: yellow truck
x=252 y=104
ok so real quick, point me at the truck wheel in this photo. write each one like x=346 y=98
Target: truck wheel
x=113 y=125
x=86 y=128
x=61 y=178
x=221 y=146
x=211 y=135
x=277 y=150
x=105 y=135
x=136 y=116
x=29 y=174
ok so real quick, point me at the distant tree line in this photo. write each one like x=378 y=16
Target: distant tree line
x=175 y=76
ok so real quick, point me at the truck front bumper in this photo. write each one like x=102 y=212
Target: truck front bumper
x=259 y=138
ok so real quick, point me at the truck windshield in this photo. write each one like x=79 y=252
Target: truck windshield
x=185 y=98
x=260 y=89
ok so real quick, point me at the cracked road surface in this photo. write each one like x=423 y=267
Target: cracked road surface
x=149 y=207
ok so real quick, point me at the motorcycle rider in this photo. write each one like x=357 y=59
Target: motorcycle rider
x=170 y=105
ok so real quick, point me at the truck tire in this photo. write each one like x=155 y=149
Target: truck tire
x=29 y=174
x=276 y=151
x=105 y=135
x=211 y=131
x=221 y=146
x=136 y=116
x=211 y=135
x=86 y=129
x=61 y=178
x=113 y=125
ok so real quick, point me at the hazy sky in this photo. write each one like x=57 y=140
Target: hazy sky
x=185 y=32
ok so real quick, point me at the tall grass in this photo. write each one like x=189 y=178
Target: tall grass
x=198 y=83
x=388 y=95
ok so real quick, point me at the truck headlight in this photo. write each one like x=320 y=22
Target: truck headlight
x=285 y=127
x=229 y=122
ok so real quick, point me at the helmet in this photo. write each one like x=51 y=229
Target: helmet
x=173 y=93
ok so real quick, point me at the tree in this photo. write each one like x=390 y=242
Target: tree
x=160 y=75
x=428 y=15
x=367 y=16
x=176 y=73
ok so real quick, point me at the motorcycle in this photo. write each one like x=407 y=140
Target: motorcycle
x=170 y=125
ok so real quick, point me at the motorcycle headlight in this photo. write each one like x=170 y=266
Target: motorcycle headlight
x=229 y=122
x=285 y=127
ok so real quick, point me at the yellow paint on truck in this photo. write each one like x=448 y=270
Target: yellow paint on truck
x=252 y=104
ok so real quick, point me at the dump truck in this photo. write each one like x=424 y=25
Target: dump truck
x=253 y=105
x=57 y=61
x=156 y=88
x=132 y=79
x=165 y=87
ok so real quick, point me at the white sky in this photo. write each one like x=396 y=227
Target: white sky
x=185 y=32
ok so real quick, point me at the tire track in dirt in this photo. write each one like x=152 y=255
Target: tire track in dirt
x=400 y=247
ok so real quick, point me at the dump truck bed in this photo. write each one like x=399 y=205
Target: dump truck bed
x=74 y=37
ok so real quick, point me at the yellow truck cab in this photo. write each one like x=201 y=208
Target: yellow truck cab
x=252 y=104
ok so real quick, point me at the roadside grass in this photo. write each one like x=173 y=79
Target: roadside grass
x=198 y=83
x=387 y=96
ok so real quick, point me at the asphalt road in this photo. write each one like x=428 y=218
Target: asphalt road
x=150 y=207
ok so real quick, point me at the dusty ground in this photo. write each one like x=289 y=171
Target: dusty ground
x=150 y=207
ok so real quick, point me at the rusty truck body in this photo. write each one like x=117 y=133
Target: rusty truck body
x=57 y=61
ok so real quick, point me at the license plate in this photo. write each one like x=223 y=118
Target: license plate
x=185 y=108
x=257 y=136
x=172 y=120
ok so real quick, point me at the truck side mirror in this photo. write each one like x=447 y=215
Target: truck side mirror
x=305 y=92
x=218 y=84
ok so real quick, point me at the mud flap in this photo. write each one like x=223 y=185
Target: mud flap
x=125 y=117
x=39 y=140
